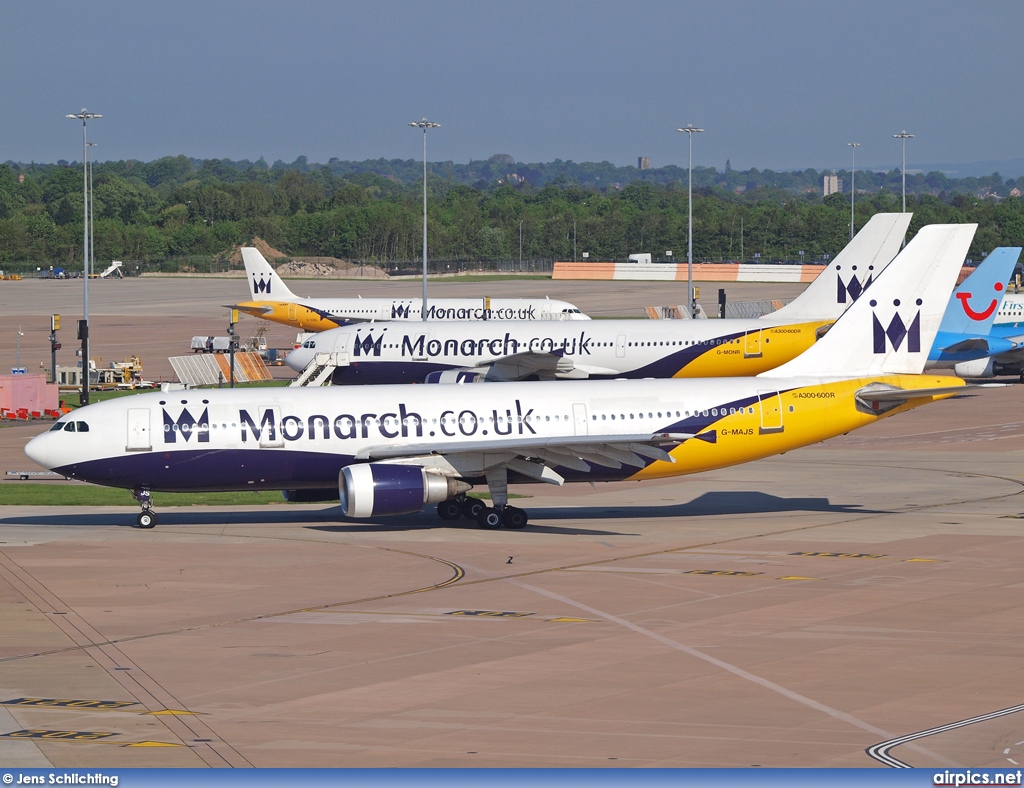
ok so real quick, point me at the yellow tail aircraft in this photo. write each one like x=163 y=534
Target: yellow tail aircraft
x=272 y=300
x=390 y=450
x=450 y=352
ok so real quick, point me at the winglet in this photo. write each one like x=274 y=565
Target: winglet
x=263 y=279
x=891 y=329
x=849 y=274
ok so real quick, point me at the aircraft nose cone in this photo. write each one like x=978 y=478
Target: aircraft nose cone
x=36 y=450
x=297 y=359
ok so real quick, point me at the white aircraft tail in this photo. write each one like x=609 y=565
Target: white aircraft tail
x=264 y=283
x=891 y=329
x=853 y=269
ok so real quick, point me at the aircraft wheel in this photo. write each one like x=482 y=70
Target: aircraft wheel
x=514 y=518
x=450 y=509
x=471 y=507
x=146 y=519
x=488 y=518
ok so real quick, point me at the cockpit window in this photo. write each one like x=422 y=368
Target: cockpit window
x=69 y=427
x=82 y=426
x=58 y=426
x=309 y=343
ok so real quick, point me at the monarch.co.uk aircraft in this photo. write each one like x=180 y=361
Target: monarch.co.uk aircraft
x=451 y=352
x=272 y=300
x=391 y=450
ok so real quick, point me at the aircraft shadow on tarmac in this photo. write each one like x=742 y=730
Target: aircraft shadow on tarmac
x=330 y=518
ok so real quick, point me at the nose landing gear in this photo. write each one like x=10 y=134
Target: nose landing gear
x=147 y=517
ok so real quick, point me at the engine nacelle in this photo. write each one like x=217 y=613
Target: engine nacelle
x=380 y=489
x=978 y=368
x=455 y=376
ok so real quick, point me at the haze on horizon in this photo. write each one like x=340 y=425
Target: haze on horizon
x=781 y=85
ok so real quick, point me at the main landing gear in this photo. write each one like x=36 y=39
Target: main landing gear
x=147 y=517
x=501 y=514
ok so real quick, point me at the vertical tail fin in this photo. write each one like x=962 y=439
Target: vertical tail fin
x=854 y=268
x=264 y=282
x=891 y=329
x=973 y=306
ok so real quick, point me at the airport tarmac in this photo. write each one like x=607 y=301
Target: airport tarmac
x=790 y=612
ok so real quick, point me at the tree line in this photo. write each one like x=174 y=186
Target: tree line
x=173 y=211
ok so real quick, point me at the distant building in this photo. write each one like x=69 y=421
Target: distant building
x=831 y=184
x=643 y=162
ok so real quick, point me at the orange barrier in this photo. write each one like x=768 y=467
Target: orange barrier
x=677 y=272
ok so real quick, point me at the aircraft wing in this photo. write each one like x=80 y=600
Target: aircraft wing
x=536 y=456
x=520 y=366
x=250 y=309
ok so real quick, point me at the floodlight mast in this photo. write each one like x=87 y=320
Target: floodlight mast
x=92 y=214
x=424 y=124
x=85 y=116
x=904 y=136
x=853 y=180
x=690 y=130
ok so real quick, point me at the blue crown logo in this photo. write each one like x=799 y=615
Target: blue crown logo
x=185 y=425
x=897 y=330
x=854 y=288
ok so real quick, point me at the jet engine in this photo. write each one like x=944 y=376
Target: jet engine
x=978 y=368
x=380 y=489
x=455 y=376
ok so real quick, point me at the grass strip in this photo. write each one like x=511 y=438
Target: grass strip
x=54 y=494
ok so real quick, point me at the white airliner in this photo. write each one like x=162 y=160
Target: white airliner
x=272 y=300
x=450 y=352
x=390 y=450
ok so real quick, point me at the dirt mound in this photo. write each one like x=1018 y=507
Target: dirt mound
x=329 y=267
x=268 y=251
x=307 y=267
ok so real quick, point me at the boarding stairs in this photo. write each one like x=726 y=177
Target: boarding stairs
x=113 y=268
x=318 y=372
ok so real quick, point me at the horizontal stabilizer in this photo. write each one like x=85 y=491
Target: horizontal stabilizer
x=969 y=345
x=882 y=393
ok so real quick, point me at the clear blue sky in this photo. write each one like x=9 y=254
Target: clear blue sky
x=782 y=84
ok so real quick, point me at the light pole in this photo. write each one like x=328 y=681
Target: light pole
x=521 y=245
x=690 y=131
x=574 y=240
x=853 y=180
x=904 y=136
x=83 y=329
x=425 y=124
x=92 y=215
